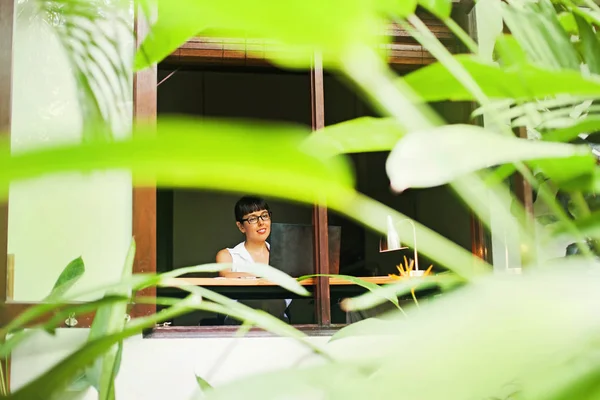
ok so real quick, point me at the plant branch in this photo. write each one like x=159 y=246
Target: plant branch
x=462 y=35
x=3 y=382
x=583 y=211
x=424 y=36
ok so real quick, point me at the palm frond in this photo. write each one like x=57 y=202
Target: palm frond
x=546 y=41
x=539 y=32
x=97 y=38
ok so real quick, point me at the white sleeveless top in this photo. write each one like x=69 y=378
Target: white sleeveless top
x=241 y=257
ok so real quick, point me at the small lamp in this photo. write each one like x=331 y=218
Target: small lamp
x=391 y=241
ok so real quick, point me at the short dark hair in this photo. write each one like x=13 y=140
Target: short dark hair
x=249 y=204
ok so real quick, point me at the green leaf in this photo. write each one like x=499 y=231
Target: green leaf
x=260 y=270
x=554 y=119
x=591 y=16
x=570 y=173
x=356 y=24
x=588 y=226
x=539 y=32
x=62 y=309
x=591 y=45
x=366 y=327
x=364 y=134
x=400 y=9
x=203 y=384
x=205 y=154
x=568 y=23
x=226 y=306
x=104 y=80
x=374 y=288
x=561 y=170
x=329 y=381
x=441 y=155
x=405 y=8
x=110 y=319
x=575 y=380
x=510 y=51
x=375 y=298
x=199 y=153
x=80 y=384
x=56 y=378
x=172 y=29
x=59 y=313
x=500 y=174
x=450 y=336
x=76 y=390
x=519 y=83
x=67 y=278
x=440 y=8
x=589 y=124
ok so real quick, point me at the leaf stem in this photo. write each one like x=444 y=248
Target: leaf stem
x=584 y=211
x=462 y=35
x=548 y=198
x=580 y=204
x=412 y=292
x=427 y=39
x=3 y=382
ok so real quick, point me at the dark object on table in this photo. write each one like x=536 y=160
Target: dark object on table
x=292 y=249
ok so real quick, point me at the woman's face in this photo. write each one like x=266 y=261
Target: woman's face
x=256 y=225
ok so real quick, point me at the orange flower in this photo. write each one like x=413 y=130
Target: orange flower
x=404 y=270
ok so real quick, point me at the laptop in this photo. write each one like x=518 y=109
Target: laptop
x=292 y=249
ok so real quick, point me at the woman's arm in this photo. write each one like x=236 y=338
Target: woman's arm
x=223 y=257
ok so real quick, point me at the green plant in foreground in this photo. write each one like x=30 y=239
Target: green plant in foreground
x=470 y=343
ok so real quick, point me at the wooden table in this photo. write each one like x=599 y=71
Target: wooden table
x=379 y=280
x=259 y=288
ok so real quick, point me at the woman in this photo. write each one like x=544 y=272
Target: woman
x=253 y=219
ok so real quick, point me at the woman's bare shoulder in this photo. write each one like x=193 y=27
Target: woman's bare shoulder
x=223 y=256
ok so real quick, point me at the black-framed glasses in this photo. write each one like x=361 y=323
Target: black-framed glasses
x=254 y=219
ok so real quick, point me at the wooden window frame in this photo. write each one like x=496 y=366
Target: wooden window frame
x=144 y=198
x=7 y=17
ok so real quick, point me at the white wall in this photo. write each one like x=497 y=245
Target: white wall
x=54 y=219
x=164 y=368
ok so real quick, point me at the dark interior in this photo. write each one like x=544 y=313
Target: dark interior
x=193 y=225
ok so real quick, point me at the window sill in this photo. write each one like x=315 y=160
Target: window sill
x=198 y=332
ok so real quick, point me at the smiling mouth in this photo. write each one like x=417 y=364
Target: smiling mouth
x=261 y=231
